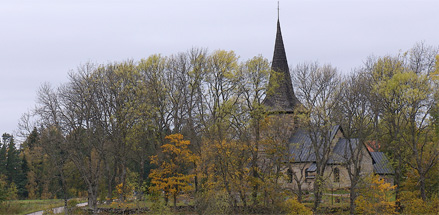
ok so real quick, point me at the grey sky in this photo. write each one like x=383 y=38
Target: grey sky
x=41 y=41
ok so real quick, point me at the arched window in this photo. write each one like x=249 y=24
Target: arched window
x=290 y=176
x=336 y=172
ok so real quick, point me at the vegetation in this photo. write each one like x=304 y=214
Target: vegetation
x=375 y=197
x=29 y=206
x=194 y=125
x=172 y=175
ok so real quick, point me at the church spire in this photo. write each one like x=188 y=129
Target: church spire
x=278 y=11
x=281 y=98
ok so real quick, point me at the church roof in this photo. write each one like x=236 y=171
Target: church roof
x=301 y=148
x=381 y=164
x=301 y=151
x=282 y=98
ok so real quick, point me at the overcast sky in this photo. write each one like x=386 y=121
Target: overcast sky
x=42 y=41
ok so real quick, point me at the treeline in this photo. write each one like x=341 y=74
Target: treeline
x=194 y=123
x=13 y=170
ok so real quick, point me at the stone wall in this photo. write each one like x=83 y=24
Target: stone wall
x=330 y=182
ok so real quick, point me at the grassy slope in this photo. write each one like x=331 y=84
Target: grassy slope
x=29 y=206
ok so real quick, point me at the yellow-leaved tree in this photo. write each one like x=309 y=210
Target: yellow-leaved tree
x=174 y=174
x=375 y=197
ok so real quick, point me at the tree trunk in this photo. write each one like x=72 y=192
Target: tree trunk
x=93 y=197
x=142 y=170
x=109 y=181
x=352 y=197
x=397 y=179
x=255 y=165
x=166 y=199
x=317 y=191
x=243 y=199
x=299 y=192
x=196 y=178
x=123 y=180
x=196 y=183
x=64 y=188
x=316 y=196
x=422 y=187
x=65 y=206
x=255 y=194
x=265 y=198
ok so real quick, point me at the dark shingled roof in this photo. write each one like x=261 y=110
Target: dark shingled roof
x=342 y=150
x=312 y=168
x=381 y=164
x=301 y=146
x=282 y=99
x=301 y=151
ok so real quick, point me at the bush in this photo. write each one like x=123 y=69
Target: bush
x=292 y=207
x=3 y=189
x=159 y=207
x=375 y=197
x=8 y=208
x=412 y=204
x=72 y=203
x=213 y=202
x=12 y=192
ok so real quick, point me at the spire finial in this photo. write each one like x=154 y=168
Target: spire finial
x=277 y=10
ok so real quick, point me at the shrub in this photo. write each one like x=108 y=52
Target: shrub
x=12 y=192
x=375 y=197
x=72 y=203
x=213 y=202
x=159 y=207
x=412 y=204
x=3 y=189
x=292 y=207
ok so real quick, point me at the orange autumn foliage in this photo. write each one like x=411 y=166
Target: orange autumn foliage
x=172 y=176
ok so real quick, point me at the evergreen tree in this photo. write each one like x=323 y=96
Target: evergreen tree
x=2 y=158
x=32 y=140
x=12 y=158
x=14 y=164
x=22 y=178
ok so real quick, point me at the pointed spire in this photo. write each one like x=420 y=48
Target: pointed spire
x=278 y=11
x=282 y=98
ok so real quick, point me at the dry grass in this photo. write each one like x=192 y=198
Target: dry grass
x=29 y=206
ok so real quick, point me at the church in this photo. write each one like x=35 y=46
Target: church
x=301 y=165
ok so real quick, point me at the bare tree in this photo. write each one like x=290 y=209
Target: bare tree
x=72 y=111
x=318 y=89
x=421 y=58
x=355 y=117
x=52 y=139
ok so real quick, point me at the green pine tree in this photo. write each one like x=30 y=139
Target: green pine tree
x=14 y=165
x=12 y=158
x=3 y=158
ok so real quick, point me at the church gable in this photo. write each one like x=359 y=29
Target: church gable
x=301 y=146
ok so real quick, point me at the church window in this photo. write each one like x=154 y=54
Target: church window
x=290 y=176
x=336 y=172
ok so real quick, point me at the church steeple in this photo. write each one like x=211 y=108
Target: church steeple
x=282 y=98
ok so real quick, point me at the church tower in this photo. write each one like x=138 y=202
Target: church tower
x=280 y=100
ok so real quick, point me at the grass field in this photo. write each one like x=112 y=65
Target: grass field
x=29 y=206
